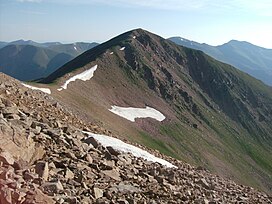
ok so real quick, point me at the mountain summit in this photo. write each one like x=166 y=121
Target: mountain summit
x=215 y=115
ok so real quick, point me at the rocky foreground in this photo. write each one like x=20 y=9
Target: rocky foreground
x=45 y=158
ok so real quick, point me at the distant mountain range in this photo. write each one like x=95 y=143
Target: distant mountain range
x=216 y=116
x=252 y=59
x=29 y=60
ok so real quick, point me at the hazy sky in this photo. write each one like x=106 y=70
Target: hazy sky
x=210 y=21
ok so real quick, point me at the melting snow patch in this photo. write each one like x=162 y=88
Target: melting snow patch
x=134 y=37
x=122 y=48
x=121 y=146
x=111 y=53
x=84 y=76
x=131 y=113
x=45 y=90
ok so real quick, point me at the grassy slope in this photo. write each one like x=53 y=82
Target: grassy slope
x=223 y=140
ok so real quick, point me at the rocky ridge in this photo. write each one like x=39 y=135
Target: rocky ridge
x=45 y=158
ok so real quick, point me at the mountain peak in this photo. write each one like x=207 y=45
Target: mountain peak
x=238 y=42
x=197 y=95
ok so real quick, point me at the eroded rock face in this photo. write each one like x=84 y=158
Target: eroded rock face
x=45 y=158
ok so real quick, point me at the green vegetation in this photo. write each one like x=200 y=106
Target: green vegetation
x=157 y=144
x=217 y=116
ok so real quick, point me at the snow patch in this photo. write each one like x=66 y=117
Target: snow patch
x=45 y=90
x=134 y=37
x=111 y=53
x=121 y=146
x=122 y=48
x=84 y=76
x=75 y=48
x=131 y=114
x=182 y=39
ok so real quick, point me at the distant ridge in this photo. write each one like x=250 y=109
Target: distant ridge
x=252 y=59
x=29 y=60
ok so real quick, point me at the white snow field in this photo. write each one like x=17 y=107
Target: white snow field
x=121 y=146
x=131 y=114
x=122 y=48
x=45 y=90
x=84 y=76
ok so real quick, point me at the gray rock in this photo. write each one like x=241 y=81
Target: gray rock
x=6 y=195
x=69 y=174
x=10 y=110
x=122 y=201
x=125 y=188
x=204 y=183
x=98 y=193
x=92 y=141
x=114 y=174
x=41 y=168
x=52 y=187
x=28 y=176
x=113 y=151
x=89 y=158
x=6 y=158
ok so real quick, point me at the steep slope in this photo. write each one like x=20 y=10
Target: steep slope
x=28 y=60
x=47 y=158
x=245 y=56
x=216 y=116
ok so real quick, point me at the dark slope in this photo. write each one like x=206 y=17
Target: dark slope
x=3 y=44
x=245 y=56
x=24 y=62
x=85 y=58
x=216 y=115
x=28 y=60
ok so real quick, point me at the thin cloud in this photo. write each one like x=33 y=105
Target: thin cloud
x=30 y=1
x=33 y=12
x=259 y=7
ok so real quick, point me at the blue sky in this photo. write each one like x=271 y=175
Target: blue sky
x=211 y=21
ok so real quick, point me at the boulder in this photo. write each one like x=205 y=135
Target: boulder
x=69 y=174
x=5 y=196
x=52 y=187
x=98 y=193
x=91 y=140
x=41 y=168
x=113 y=151
x=6 y=158
x=114 y=174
